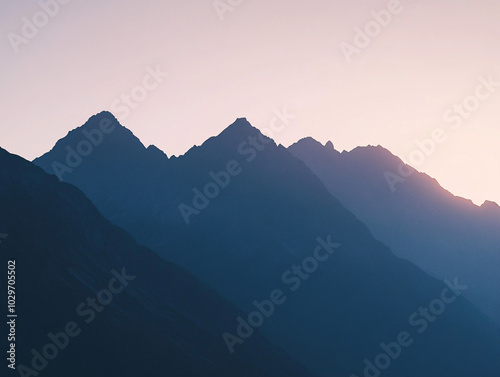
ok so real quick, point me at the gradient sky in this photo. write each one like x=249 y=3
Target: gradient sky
x=263 y=56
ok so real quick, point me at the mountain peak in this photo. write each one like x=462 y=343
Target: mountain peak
x=329 y=145
x=309 y=144
x=309 y=141
x=239 y=131
x=378 y=153
x=156 y=153
x=239 y=125
x=100 y=137
x=104 y=115
x=490 y=205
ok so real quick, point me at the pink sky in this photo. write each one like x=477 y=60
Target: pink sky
x=263 y=56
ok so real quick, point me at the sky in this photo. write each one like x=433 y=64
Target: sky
x=394 y=73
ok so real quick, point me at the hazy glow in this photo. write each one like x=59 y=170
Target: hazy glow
x=262 y=57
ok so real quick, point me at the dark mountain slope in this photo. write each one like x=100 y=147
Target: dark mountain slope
x=162 y=323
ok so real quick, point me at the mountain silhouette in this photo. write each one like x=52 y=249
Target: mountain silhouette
x=247 y=217
x=159 y=320
x=422 y=222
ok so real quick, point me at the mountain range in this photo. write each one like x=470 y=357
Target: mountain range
x=420 y=221
x=93 y=302
x=256 y=224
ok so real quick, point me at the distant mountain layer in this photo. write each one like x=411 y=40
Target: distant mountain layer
x=89 y=295
x=410 y=212
x=248 y=218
